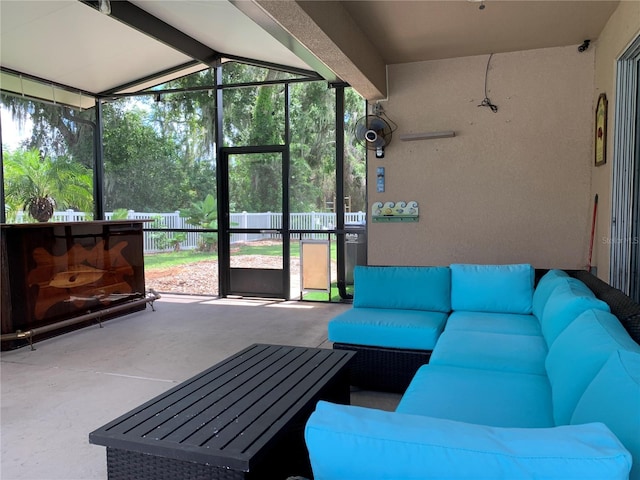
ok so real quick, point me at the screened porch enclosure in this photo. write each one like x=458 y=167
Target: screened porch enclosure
x=155 y=155
x=194 y=238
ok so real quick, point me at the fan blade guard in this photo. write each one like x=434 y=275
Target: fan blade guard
x=361 y=131
x=376 y=123
x=379 y=142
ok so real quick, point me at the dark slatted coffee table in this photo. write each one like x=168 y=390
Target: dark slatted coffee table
x=242 y=418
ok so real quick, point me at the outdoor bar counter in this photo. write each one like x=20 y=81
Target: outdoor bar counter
x=55 y=276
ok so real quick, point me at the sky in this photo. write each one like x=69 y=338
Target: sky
x=11 y=135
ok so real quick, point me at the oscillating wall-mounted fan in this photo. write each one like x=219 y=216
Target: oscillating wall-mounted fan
x=374 y=133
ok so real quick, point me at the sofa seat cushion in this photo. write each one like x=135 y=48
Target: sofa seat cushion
x=356 y=443
x=512 y=323
x=492 y=288
x=499 y=399
x=613 y=398
x=578 y=354
x=491 y=351
x=402 y=287
x=379 y=327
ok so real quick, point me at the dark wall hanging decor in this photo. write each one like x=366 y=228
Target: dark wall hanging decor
x=601 y=131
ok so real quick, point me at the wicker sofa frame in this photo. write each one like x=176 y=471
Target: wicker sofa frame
x=391 y=369
x=385 y=369
x=622 y=306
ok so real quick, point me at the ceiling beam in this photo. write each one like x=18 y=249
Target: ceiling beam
x=264 y=20
x=154 y=79
x=274 y=66
x=138 y=19
x=327 y=32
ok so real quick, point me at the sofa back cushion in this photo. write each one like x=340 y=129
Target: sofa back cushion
x=348 y=442
x=613 y=398
x=403 y=287
x=577 y=355
x=566 y=303
x=492 y=288
x=547 y=285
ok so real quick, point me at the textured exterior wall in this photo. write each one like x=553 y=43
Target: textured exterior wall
x=621 y=29
x=512 y=186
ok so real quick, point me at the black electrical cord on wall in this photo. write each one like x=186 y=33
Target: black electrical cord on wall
x=486 y=102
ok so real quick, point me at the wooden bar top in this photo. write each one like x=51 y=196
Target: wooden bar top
x=66 y=224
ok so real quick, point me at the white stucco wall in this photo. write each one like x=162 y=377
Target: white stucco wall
x=512 y=186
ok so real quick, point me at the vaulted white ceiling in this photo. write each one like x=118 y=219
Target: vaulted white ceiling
x=70 y=42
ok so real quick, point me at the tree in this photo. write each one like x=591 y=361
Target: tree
x=254 y=116
x=169 y=135
x=57 y=130
x=153 y=152
x=313 y=137
x=189 y=117
x=144 y=170
x=158 y=149
x=355 y=169
x=40 y=184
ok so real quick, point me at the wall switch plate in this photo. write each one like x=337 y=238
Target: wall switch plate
x=380 y=179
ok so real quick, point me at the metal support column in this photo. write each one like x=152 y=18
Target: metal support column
x=98 y=164
x=339 y=206
x=222 y=182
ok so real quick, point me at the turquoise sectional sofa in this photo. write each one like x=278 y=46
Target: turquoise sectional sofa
x=521 y=382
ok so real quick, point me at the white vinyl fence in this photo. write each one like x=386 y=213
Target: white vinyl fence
x=265 y=221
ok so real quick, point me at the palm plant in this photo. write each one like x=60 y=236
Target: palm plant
x=204 y=213
x=38 y=184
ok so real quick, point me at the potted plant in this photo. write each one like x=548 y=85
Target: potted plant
x=39 y=184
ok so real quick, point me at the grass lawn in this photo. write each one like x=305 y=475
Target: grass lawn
x=172 y=259
x=323 y=296
x=275 y=250
x=183 y=257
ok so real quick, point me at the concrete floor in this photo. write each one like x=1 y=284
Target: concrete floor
x=52 y=397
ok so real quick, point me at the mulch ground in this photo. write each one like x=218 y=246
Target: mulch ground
x=201 y=278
